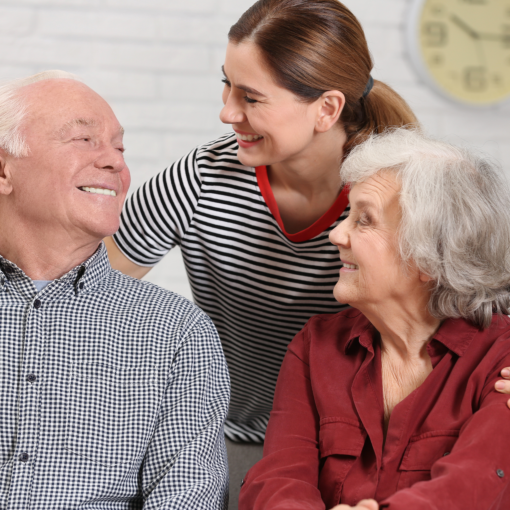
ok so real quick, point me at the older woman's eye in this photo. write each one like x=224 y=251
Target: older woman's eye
x=363 y=220
x=250 y=100
x=225 y=81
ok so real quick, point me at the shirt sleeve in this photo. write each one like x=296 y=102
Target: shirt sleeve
x=157 y=215
x=476 y=473
x=287 y=477
x=185 y=465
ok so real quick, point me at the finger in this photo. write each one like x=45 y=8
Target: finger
x=503 y=386
x=368 y=504
x=505 y=373
x=508 y=403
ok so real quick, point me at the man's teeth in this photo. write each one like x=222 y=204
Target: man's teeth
x=99 y=191
x=350 y=266
x=249 y=138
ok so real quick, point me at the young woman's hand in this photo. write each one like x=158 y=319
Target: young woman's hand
x=504 y=386
x=365 y=504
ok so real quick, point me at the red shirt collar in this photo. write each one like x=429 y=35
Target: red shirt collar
x=324 y=222
x=455 y=334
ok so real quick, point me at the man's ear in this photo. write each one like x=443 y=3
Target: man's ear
x=331 y=105
x=5 y=174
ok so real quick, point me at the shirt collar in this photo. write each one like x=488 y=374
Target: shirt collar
x=83 y=277
x=455 y=334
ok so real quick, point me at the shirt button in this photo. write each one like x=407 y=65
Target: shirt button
x=242 y=483
x=37 y=303
x=81 y=285
x=31 y=378
x=500 y=473
x=24 y=457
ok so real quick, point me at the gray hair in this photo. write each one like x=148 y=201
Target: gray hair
x=13 y=110
x=455 y=219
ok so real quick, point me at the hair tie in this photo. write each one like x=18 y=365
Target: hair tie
x=368 y=88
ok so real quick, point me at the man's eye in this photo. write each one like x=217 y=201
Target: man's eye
x=249 y=100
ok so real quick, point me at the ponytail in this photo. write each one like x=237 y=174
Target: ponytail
x=381 y=109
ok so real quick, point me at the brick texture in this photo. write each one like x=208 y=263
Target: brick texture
x=158 y=63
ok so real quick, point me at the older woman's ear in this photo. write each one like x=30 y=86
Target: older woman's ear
x=425 y=278
x=504 y=386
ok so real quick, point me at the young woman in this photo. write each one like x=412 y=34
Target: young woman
x=252 y=211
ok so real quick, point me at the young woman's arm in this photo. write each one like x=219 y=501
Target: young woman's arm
x=119 y=261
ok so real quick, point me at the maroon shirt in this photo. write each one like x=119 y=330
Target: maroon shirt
x=447 y=445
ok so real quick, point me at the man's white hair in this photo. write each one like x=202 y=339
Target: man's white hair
x=13 y=110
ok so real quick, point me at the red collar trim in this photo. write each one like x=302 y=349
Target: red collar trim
x=325 y=221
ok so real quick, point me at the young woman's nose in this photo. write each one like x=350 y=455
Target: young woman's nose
x=232 y=112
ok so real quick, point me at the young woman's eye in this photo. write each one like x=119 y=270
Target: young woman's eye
x=249 y=100
x=225 y=81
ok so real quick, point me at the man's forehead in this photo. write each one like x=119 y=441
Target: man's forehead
x=65 y=104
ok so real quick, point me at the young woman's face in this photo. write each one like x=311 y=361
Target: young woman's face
x=272 y=125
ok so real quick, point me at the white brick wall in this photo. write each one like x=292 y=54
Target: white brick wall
x=158 y=63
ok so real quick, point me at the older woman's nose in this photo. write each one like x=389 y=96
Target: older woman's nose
x=339 y=235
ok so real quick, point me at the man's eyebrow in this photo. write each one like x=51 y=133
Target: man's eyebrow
x=76 y=122
x=244 y=87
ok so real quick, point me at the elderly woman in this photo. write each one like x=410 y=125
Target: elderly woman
x=391 y=404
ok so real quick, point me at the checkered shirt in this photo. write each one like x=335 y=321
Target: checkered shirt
x=113 y=395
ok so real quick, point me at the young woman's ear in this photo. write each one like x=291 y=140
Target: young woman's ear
x=331 y=105
x=5 y=174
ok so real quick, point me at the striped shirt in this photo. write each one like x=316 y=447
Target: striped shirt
x=258 y=284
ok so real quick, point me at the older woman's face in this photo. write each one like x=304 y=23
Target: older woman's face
x=368 y=244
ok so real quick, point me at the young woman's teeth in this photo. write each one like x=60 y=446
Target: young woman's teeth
x=350 y=266
x=249 y=138
x=99 y=191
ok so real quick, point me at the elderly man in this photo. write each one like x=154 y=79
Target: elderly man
x=114 y=391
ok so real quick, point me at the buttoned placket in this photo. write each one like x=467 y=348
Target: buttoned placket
x=29 y=411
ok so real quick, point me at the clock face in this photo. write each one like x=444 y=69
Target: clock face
x=464 y=47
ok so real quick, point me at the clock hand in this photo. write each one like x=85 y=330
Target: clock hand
x=462 y=25
x=495 y=37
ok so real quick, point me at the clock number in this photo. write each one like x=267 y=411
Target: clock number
x=475 y=79
x=436 y=33
x=506 y=36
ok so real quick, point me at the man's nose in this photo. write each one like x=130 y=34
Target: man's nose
x=111 y=158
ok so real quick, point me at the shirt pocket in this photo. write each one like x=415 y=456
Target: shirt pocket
x=111 y=412
x=421 y=453
x=340 y=444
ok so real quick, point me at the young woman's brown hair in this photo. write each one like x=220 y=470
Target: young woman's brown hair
x=312 y=46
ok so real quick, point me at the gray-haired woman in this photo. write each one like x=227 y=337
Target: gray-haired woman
x=395 y=401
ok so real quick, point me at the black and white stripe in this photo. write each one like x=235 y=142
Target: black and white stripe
x=258 y=286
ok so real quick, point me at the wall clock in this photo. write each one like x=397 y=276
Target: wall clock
x=461 y=48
